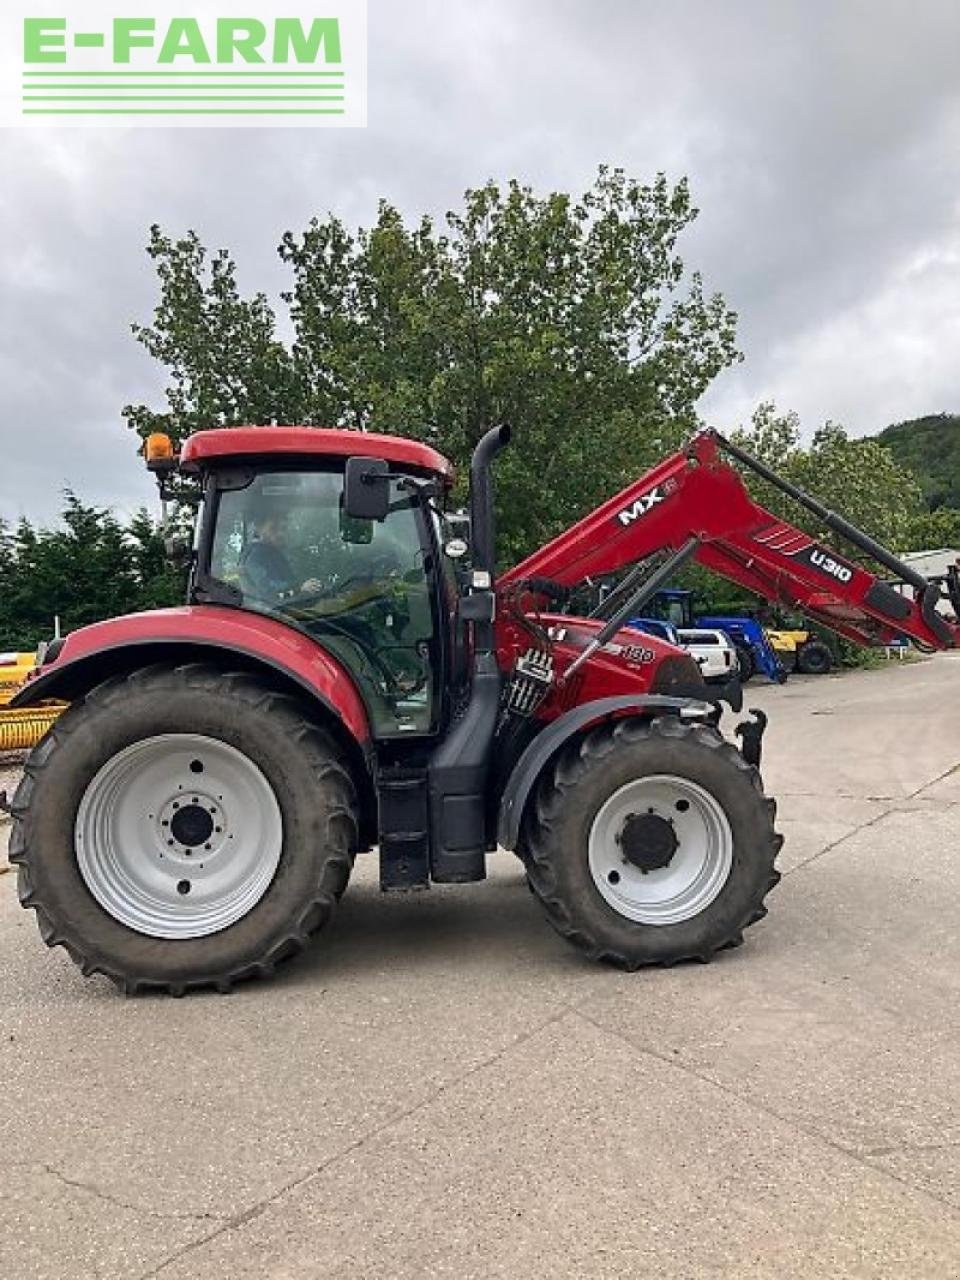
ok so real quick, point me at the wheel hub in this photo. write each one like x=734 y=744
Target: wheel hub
x=648 y=841
x=191 y=826
x=190 y=822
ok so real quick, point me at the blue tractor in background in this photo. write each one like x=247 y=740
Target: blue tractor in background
x=754 y=650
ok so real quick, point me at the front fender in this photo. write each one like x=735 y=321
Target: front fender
x=547 y=743
x=191 y=633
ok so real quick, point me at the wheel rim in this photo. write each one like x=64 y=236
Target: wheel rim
x=675 y=829
x=178 y=836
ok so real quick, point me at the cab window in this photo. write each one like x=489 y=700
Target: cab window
x=360 y=587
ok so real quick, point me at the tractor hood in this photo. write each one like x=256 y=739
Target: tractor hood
x=631 y=662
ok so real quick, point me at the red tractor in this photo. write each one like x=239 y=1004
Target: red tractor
x=349 y=673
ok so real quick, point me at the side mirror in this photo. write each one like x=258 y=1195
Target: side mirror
x=366 y=489
x=353 y=529
x=178 y=549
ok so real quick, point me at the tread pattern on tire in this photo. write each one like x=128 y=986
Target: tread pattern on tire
x=551 y=796
x=341 y=820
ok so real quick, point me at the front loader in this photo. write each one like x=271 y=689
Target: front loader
x=348 y=672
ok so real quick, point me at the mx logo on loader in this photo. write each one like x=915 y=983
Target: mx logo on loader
x=640 y=506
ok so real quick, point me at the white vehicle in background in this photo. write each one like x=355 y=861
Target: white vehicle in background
x=713 y=651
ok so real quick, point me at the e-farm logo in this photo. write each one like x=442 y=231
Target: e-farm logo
x=135 y=63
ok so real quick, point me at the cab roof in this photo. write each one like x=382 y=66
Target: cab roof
x=232 y=443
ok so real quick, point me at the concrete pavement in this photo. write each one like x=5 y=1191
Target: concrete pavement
x=441 y=1087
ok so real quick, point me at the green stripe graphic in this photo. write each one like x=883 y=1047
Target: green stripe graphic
x=101 y=89
x=182 y=73
x=202 y=86
x=182 y=97
x=182 y=111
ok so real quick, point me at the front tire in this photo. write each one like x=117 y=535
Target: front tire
x=651 y=842
x=183 y=827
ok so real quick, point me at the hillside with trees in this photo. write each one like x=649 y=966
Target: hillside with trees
x=930 y=448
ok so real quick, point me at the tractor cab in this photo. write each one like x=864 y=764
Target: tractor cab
x=280 y=535
x=673 y=605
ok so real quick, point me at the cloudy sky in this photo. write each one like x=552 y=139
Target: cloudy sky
x=821 y=139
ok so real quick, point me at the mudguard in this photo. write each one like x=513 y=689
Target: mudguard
x=191 y=633
x=547 y=743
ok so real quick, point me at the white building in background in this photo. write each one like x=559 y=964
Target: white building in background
x=933 y=565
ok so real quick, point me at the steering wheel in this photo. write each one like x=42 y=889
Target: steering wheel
x=382 y=566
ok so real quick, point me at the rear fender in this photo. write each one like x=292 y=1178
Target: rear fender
x=231 y=638
x=546 y=744
x=87 y=654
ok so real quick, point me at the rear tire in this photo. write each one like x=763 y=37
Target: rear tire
x=709 y=889
x=814 y=658
x=94 y=845
x=746 y=663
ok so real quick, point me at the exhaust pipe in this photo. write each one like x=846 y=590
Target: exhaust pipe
x=482 y=520
x=460 y=766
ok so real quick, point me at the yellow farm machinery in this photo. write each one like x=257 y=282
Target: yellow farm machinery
x=21 y=728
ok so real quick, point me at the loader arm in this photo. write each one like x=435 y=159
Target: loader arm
x=696 y=499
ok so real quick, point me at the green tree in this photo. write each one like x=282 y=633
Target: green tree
x=858 y=478
x=225 y=364
x=573 y=319
x=159 y=583
x=88 y=568
x=930 y=530
x=930 y=448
